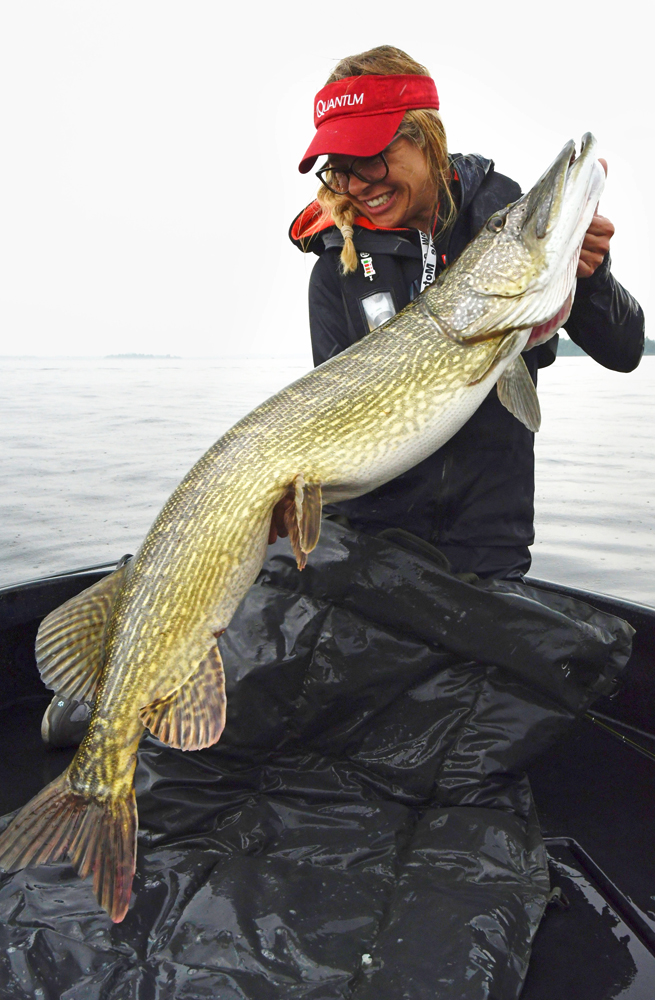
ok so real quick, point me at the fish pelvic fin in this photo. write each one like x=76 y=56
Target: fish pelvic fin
x=302 y=517
x=516 y=391
x=193 y=716
x=298 y=516
x=99 y=838
x=70 y=640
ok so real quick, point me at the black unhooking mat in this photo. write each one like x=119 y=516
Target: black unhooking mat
x=363 y=830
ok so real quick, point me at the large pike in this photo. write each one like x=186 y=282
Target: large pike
x=142 y=641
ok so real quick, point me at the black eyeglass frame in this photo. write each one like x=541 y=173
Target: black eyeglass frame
x=351 y=170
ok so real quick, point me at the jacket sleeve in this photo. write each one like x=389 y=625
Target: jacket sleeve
x=328 y=321
x=606 y=321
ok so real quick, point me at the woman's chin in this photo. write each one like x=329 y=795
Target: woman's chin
x=387 y=220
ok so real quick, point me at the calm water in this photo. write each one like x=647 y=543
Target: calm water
x=90 y=450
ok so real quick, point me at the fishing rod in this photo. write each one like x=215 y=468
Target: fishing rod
x=598 y=719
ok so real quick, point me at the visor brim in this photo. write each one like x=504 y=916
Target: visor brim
x=352 y=135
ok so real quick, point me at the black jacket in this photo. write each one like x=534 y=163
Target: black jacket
x=473 y=498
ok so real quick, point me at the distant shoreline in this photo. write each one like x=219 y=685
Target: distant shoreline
x=566 y=348
x=157 y=357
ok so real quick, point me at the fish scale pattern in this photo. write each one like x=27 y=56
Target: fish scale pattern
x=207 y=544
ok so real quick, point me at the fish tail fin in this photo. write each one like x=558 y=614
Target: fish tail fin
x=97 y=837
x=105 y=844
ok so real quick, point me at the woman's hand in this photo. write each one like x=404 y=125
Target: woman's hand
x=596 y=243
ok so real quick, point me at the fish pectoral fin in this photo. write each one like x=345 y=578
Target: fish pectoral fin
x=302 y=517
x=517 y=393
x=69 y=643
x=497 y=348
x=193 y=716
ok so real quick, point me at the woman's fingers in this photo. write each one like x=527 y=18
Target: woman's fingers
x=595 y=245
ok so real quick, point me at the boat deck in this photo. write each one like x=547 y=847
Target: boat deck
x=594 y=795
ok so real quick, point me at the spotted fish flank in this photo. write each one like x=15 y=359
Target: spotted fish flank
x=144 y=639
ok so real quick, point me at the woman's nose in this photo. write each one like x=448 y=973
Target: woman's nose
x=356 y=187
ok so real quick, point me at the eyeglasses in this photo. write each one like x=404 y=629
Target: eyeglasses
x=369 y=169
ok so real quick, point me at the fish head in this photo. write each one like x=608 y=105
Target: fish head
x=519 y=272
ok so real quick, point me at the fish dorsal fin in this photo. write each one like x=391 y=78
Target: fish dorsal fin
x=70 y=640
x=193 y=716
x=302 y=517
x=517 y=393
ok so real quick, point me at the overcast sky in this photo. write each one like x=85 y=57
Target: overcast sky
x=149 y=166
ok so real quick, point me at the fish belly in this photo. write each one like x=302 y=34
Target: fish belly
x=401 y=455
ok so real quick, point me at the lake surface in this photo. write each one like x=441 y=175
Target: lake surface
x=91 y=448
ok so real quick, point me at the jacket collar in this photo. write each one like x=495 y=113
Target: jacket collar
x=471 y=169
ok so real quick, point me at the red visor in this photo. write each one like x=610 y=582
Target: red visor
x=359 y=115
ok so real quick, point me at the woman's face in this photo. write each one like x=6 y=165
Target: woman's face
x=406 y=198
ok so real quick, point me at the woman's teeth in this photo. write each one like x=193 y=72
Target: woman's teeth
x=382 y=200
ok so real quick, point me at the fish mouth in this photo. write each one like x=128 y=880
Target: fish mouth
x=560 y=206
x=558 y=211
x=544 y=201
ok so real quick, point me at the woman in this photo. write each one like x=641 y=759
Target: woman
x=393 y=210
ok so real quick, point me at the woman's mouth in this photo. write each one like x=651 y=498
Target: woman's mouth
x=381 y=203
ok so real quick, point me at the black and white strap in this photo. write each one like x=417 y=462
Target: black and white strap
x=429 y=259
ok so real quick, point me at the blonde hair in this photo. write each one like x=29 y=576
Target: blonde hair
x=422 y=127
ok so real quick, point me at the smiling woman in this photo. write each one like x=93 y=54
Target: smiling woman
x=394 y=210
x=418 y=172
x=402 y=194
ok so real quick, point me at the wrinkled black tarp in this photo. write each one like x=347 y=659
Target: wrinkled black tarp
x=363 y=829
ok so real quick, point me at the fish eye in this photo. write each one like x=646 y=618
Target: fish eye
x=496 y=223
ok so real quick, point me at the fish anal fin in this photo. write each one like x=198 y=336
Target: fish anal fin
x=70 y=640
x=517 y=393
x=193 y=716
x=99 y=838
x=302 y=517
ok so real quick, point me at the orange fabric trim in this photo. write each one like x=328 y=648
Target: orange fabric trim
x=311 y=220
